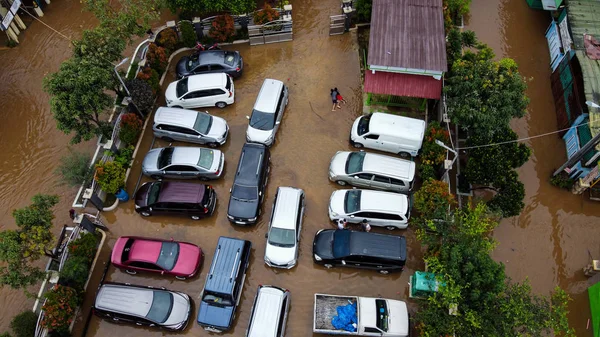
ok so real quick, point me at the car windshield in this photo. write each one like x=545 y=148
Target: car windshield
x=162 y=304
x=229 y=58
x=341 y=243
x=363 y=125
x=218 y=299
x=244 y=193
x=352 y=201
x=169 y=252
x=203 y=123
x=164 y=159
x=153 y=193
x=382 y=315
x=282 y=237
x=206 y=158
x=192 y=62
x=355 y=162
x=182 y=87
x=262 y=120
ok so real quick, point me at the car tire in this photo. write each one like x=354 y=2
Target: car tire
x=384 y=272
x=130 y=272
x=404 y=155
x=154 y=176
x=195 y=217
x=341 y=183
x=167 y=139
x=328 y=266
x=180 y=278
x=145 y=213
x=177 y=107
x=357 y=145
x=221 y=105
x=391 y=228
x=213 y=145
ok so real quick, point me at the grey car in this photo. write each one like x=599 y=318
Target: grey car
x=190 y=126
x=183 y=163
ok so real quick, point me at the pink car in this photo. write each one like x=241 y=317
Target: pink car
x=134 y=254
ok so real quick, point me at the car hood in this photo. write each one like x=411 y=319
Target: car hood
x=141 y=195
x=171 y=92
x=218 y=128
x=258 y=136
x=187 y=262
x=323 y=244
x=150 y=163
x=117 y=252
x=181 y=67
x=280 y=255
x=338 y=163
x=398 y=321
x=336 y=203
x=242 y=209
x=216 y=316
x=180 y=312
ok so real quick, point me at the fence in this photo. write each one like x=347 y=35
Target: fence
x=337 y=24
x=270 y=32
x=390 y=100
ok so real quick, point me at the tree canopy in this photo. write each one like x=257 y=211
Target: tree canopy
x=213 y=6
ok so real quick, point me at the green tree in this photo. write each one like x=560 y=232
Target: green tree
x=99 y=45
x=363 y=10
x=18 y=248
x=234 y=7
x=23 y=325
x=74 y=168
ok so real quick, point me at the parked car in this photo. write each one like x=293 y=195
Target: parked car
x=211 y=61
x=249 y=184
x=390 y=133
x=183 y=163
x=189 y=126
x=342 y=247
x=224 y=284
x=382 y=209
x=175 y=198
x=371 y=170
x=285 y=226
x=267 y=112
x=269 y=312
x=144 y=306
x=137 y=254
x=374 y=316
x=200 y=91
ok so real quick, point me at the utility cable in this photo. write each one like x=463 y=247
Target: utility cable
x=518 y=140
x=43 y=23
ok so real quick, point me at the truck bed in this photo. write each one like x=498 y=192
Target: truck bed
x=326 y=308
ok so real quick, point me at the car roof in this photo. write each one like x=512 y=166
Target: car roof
x=206 y=81
x=248 y=167
x=225 y=265
x=145 y=250
x=286 y=207
x=390 y=166
x=175 y=191
x=211 y=56
x=377 y=245
x=175 y=116
x=125 y=299
x=268 y=96
x=269 y=300
x=407 y=128
x=186 y=155
x=383 y=201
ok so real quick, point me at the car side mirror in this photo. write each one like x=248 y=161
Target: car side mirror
x=172 y=239
x=266 y=235
x=170 y=144
x=260 y=193
x=248 y=117
x=230 y=190
x=277 y=123
x=352 y=216
x=162 y=272
x=355 y=177
x=343 y=262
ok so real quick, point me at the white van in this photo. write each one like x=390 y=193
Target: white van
x=269 y=312
x=189 y=126
x=267 y=112
x=390 y=133
x=201 y=91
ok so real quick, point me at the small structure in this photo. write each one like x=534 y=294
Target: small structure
x=549 y=5
x=422 y=284
x=407 y=53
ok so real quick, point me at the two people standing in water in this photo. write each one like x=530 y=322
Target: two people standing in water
x=336 y=98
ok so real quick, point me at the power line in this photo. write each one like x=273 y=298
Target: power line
x=56 y=31
x=517 y=140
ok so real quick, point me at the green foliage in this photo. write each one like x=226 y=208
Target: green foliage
x=508 y=200
x=131 y=127
x=559 y=303
x=124 y=156
x=151 y=77
x=562 y=180
x=85 y=246
x=222 y=29
x=74 y=168
x=99 y=45
x=431 y=153
x=188 y=34
x=110 y=176
x=433 y=199
x=453 y=10
x=427 y=172
x=212 y=6
x=60 y=308
x=142 y=94
x=131 y=75
x=267 y=14
x=6 y=334
x=23 y=325
x=157 y=58
x=458 y=40
x=363 y=10
x=75 y=272
x=168 y=39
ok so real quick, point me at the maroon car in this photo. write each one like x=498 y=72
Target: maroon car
x=134 y=254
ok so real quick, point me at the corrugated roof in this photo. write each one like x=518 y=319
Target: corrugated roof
x=405 y=85
x=408 y=34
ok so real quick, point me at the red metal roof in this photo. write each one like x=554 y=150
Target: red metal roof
x=405 y=85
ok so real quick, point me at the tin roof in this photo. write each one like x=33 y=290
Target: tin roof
x=408 y=34
x=405 y=85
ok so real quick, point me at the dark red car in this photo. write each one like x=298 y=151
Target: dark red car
x=136 y=254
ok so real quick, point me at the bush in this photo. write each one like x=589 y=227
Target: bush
x=427 y=172
x=131 y=126
x=151 y=77
x=60 y=308
x=363 y=10
x=142 y=94
x=6 y=334
x=188 y=34
x=168 y=39
x=134 y=67
x=562 y=180
x=85 y=246
x=157 y=58
x=267 y=14
x=431 y=153
x=23 y=325
x=75 y=272
x=123 y=156
x=74 y=168
x=110 y=176
x=222 y=28
x=433 y=199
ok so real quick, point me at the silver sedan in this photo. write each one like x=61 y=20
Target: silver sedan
x=183 y=163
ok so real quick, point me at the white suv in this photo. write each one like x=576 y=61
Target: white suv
x=267 y=112
x=382 y=209
x=201 y=90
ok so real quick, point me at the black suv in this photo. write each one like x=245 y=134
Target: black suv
x=161 y=197
x=342 y=247
x=248 y=190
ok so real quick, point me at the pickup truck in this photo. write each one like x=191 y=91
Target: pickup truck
x=374 y=316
